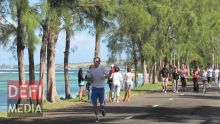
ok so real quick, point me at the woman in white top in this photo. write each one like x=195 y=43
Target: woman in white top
x=128 y=83
x=117 y=81
x=204 y=79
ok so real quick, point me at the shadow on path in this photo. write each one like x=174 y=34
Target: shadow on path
x=116 y=113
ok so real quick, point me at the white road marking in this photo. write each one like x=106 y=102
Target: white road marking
x=170 y=98
x=154 y=106
x=182 y=94
x=129 y=117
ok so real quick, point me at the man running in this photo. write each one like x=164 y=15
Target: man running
x=98 y=76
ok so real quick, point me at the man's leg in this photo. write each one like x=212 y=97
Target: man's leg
x=194 y=84
x=197 y=85
x=94 y=102
x=166 y=81
x=129 y=92
x=163 y=84
x=177 y=88
x=101 y=96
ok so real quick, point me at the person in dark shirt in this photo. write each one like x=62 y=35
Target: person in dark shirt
x=81 y=83
x=175 y=76
x=164 y=74
x=89 y=82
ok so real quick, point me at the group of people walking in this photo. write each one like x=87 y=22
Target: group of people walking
x=176 y=75
x=95 y=78
x=115 y=82
x=206 y=75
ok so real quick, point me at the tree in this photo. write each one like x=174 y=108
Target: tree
x=68 y=19
x=133 y=21
x=54 y=22
x=50 y=23
x=99 y=14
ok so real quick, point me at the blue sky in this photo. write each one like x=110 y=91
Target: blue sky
x=84 y=42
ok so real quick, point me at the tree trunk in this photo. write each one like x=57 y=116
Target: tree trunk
x=161 y=64
x=97 y=44
x=135 y=63
x=97 y=38
x=154 y=72
x=43 y=51
x=150 y=73
x=20 y=45
x=20 y=48
x=188 y=69
x=178 y=64
x=31 y=72
x=66 y=60
x=144 y=71
x=31 y=65
x=143 y=65
x=213 y=57
x=51 y=82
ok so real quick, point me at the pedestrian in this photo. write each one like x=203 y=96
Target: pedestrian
x=204 y=79
x=164 y=74
x=196 y=76
x=128 y=79
x=89 y=82
x=110 y=84
x=216 y=71
x=183 y=74
x=209 y=75
x=98 y=76
x=81 y=83
x=175 y=76
x=219 y=80
x=117 y=81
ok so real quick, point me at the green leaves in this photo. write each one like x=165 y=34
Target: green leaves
x=149 y=50
x=133 y=19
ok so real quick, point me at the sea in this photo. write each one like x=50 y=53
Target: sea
x=12 y=75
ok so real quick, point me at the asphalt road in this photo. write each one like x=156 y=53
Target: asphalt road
x=148 y=108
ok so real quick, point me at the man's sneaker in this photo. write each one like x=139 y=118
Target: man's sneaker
x=103 y=112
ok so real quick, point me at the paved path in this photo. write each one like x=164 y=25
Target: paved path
x=153 y=108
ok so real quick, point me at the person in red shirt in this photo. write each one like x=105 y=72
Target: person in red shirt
x=196 y=76
x=112 y=70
